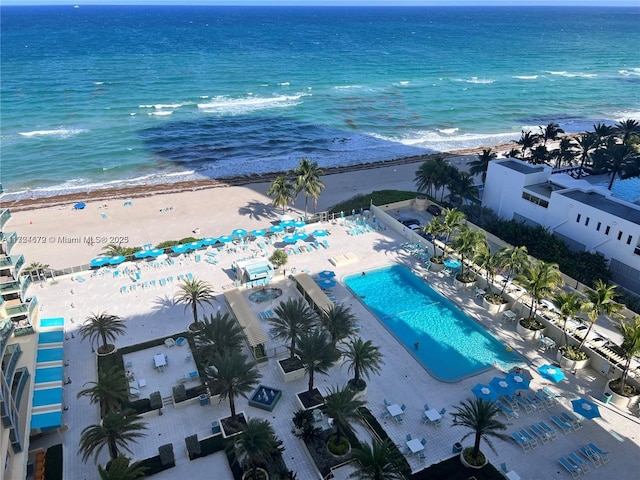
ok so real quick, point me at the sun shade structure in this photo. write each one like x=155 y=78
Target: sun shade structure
x=179 y=248
x=551 y=373
x=319 y=233
x=327 y=274
x=485 y=392
x=585 y=408
x=501 y=386
x=519 y=380
x=312 y=293
x=276 y=228
x=99 y=261
x=253 y=333
x=239 y=232
x=259 y=232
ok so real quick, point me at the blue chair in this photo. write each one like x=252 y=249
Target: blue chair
x=604 y=456
x=574 y=470
x=423 y=441
x=443 y=411
x=583 y=464
x=503 y=468
x=386 y=402
x=422 y=456
x=403 y=407
x=408 y=437
x=426 y=407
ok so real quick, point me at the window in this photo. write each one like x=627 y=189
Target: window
x=619 y=234
x=598 y=226
x=578 y=218
x=606 y=230
x=586 y=222
x=629 y=240
x=535 y=200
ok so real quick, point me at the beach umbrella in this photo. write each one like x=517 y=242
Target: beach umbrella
x=156 y=252
x=300 y=236
x=239 y=232
x=179 y=248
x=551 y=373
x=326 y=283
x=327 y=274
x=141 y=254
x=452 y=263
x=299 y=223
x=525 y=372
x=99 y=261
x=585 y=408
x=194 y=245
x=501 y=386
x=118 y=259
x=209 y=240
x=259 y=232
x=287 y=223
x=319 y=233
x=484 y=392
x=276 y=228
x=289 y=239
x=79 y=206
x=225 y=239
x=518 y=381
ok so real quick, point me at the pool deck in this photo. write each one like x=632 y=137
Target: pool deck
x=150 y=313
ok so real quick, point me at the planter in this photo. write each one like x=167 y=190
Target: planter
x=527 y=334
x=569 y=364
x=358 y=393
x=420 y=203
x=290 y=369
x=463 y=286
x=436 y=267
x=310 y=400
x=230 y=430
x=494 y=308
x=111 y=349
x=618 y=400
x=344 y=439
x=467 y=464
x=262 y=474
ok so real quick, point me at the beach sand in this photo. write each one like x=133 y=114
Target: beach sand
x=52 y=232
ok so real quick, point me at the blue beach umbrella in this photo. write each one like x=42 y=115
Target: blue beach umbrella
x=319 y=233
x=299 y=223
x=179 y=248
x=276 y=228
x=518 y=381
x=209 y=240
x=484 y=392
x=327 y=274
x=239 y=232
x=585 y=408
x=225 y=239
x=141 y=254
x=194 y=245
x=156 y=252
x=99 y=261
x=501 y=386
x=79 y=206
x=326 y=283
x=259 y=233
x=300 y=236
x=118 y=259
x=551 y=373
x=290 y=239
x=287 y=223
x=452 y=263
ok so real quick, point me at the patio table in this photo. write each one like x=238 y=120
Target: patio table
x=395 y=410
x=547 y=343
x=433 y=415
x=159 y=360
x=415 y=445
x=509 y=315
x=512 y=475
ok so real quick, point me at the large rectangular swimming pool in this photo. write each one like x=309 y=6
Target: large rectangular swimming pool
x=451 y=346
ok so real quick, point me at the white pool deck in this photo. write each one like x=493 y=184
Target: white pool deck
x=150 y=313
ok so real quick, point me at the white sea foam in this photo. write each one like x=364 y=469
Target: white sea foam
x=160 y=106
x=436 y=140
x=526 y=77
x=161 y=113
x=476 y=80
x=564 y=73
x=627 y=115
x=631 y=72
x=98 y=83
x=448 y=131
x=227 y=105
x=59 y=132
x=284 y=84
x=346 y=87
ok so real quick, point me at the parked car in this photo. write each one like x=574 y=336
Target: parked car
x=434 y=210
x=412 y=223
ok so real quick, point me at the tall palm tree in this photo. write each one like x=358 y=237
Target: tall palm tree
x=363 y=359
x=338 y=321
x=292 y=319
x=490 y=263
x=341 y=405
x=551 y=132
x=115 y=249
x=527 y=141
x=626 y=129
x=193 y=294
x=569 y=305
x=481 y=165
x=308 y=181
x=122 y=469
x=116 y=430
x=257 y=444
x=380 y=461
x=426 y=174
x=234 y=377
x=539 y=279
x=630 y=346
x=468 y=243
x=102 y=326
x=110 y=390
x=602 y=132
x=461 y=188
x=480 y=416
x=435 y=228
x=600 y=301
x=585 y=144
x=453 y=221
x=565 y=154
x=620 y=159
x=539 y=155
x=514 y=259
x=217 y=333
x=282 y=192
x=317 y=353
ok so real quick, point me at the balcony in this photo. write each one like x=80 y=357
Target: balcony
x=13 y=262
x=5 y=216
x=14 y=309
x=18 y=286
x=6 y=330
x=10 y=359
x=7 y=241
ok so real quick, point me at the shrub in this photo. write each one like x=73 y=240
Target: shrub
x=531 y=324
x=193 y=446
x=338 y=448
x=53 y=462
x=167 y=458
x=573 y=353
x=142 y=405
x=179 y=393
x=155 y=401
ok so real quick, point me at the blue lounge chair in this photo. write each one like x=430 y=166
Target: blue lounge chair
x=524 y=404
x=539 y=434
x=604 y=456
x=573 y=421
x=526 y=447
x=591 y=456
x=583 y=464
x=325 y=244
x=574 y=470
x=510 y=414
x=564 y=426
x=408 y=436
x=532 y=441
x=548 y=430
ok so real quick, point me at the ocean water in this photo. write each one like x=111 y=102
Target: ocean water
x=99 y=97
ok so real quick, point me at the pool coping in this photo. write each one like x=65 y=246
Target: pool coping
x=409 y=350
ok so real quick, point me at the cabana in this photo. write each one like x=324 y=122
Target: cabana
x=253 y=333
x=312 y=293
x=255 y=272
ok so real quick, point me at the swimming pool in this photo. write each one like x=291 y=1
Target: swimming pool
x=451 y=346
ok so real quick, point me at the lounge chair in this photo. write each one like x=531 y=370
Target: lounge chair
x=532 y=441
x=574 y=470
x=591 y=456
x=539 y=434
x=583 y=464
x=526 y=446
x=548 y=430
x=574 y=422
x=503 y=468
x=604 y=456
x=510 y=414
x=524 y=404
x=564 y=426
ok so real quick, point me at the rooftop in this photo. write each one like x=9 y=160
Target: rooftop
x=522 y=167
x=617 y=208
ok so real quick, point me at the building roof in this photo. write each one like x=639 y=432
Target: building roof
x=625 y=211
x=247 y=320
x=522 y=167
x=313 y=291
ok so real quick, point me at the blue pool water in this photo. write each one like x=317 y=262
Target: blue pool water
x=452 y=346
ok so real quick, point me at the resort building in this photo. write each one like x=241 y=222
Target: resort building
x=585 y=216
x=18 y=345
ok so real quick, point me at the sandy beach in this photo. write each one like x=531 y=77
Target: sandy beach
x=51 y=231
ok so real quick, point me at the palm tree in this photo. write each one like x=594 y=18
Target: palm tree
x=514 y=259
x=110 y=390
x=569 y=305
x=627 y=129
x=539 y=155
x=461 y=187
x=257 y=444
x=602 y=132
x=341 y=405
x=539 y=279
x=116 y=430
x=490 y=263
x=233 y=375
x=481 y=165
x=435 y=228
x=194 y=293
x=217 y=334
x=121 y=469
x=630 y=346
x=426 y=173
x=380 y=461
x=481 y=417
x=115 y=249
x=292 y=319
x=565 y=154
x=551 y=132
x=338 y=321
x=620 y=159
x=600 y=301
x=527 y=141
x=308 y=181
x=468 y=243
x=317 y=353
x=453 y=221
x=585 y=144
x=363 y=359
x=282 y=192
x=102 y=326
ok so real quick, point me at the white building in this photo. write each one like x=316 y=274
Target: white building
x=586 y=217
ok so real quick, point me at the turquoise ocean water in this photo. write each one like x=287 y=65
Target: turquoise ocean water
x=96 y=97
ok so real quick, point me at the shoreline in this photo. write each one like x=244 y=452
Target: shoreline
x=141 y=191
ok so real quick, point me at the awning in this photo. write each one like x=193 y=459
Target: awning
x=312 y=292
x=246 y=319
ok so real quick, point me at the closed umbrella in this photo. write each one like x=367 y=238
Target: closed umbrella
x=550 y=372
x=484 y=392
x=585 y=408
x=327 y=274
x=501 y=386
x=518 y=381
x=276 y=228
x=319 y=233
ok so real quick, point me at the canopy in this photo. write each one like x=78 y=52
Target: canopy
x=225 y=239
x=244 y=315
x=326 y=283
x=290 y=238
x=287 y=223
x=484 y=392
x=117 y=260
x=518 y=381
x=142 y=253
x=327 y=274
x=239 y=232
x=276 y=228
x=259 y=233
x=552 y=373
x=319 y=233
x=299 y=224
x=179 y=248
x=585 y=408
x=194 y=245
x=99 y=261
x=300 y=236
x=156 y=252
x=501 y=386
x=209 y=240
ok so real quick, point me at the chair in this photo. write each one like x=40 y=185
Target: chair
x=540 y=435
x=532 y=441
x=408 y=437
x=604 y=456
x=422 y=457
x=591 y=456
x=574 y=470
x=426 y=407
x=403 y=407
x=583 y=464
x=548 y=430
x=443 y=411
x=423 y=441
x=399 y=419
x=169 y=342
x=566 y=428
x=385 y=414
x=574 y=422
x=503 y=468
x=526 y=446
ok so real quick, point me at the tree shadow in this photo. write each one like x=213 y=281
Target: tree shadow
x=258 y=211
